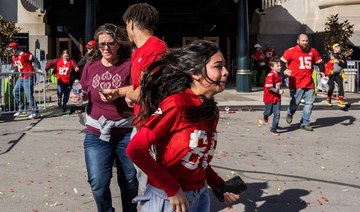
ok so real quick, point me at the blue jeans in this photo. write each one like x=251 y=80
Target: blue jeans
x=63 y=89
x=269 y=110
x=309 y=97
x=26 y=85
x=99 y=158
x=155 y=199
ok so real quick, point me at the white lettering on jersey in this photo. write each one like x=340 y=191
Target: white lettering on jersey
x=18 y=64
x=192 y=158
x=63 y=70
x=305 y=62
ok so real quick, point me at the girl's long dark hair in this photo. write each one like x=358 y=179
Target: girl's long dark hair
x=173 y=74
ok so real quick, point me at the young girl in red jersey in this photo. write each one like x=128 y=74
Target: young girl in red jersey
x=178 y=115
x=64 y=67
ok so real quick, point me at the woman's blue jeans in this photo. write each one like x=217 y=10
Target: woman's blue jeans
x=99 y=157
x=63 y=89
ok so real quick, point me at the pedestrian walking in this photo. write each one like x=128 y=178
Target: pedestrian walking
x=22 y=62
x=272 y=94
x=65 y=69
x=178 y=115
x=334 y=70
x=299 y=61
x=108 y=121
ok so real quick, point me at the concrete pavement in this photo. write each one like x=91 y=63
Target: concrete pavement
x=42 y=164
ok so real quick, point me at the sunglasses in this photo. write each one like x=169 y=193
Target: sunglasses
x=102 y=45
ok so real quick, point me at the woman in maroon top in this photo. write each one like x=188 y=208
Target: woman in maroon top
x=108 y=122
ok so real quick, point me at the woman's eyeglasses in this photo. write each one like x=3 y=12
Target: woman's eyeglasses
x=102 y=45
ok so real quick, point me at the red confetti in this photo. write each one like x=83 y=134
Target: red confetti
x=230 y=207
x=30 y=182
x=325 y=199
x=34 y=210
x=319 y=202
x=230 y=111
x=10 y=190
x=252 y=164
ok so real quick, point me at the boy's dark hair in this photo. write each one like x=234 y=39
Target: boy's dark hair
x=143 y=15
x=274 y=60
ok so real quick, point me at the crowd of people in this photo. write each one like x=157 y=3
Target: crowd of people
x=151 y=111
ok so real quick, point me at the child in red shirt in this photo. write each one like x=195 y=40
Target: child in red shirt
x=272 y=94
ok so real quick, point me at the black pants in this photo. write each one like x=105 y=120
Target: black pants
x=339 y=81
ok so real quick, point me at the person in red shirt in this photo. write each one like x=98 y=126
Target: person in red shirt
x=23 y=61
x=299 y=61
x=269 y=53
x=259 y=63
x=272 y=94
x=140 y=20
x=65 y=68
x=178 y=116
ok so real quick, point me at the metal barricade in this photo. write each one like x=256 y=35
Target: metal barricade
x=7 y=100
x=351 y=83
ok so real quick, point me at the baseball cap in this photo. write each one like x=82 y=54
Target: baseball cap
x=90 y=44
x=258 y=46
x=335 y=45
x=12 y=45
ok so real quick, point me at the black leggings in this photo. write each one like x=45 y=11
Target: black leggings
x=339 y=81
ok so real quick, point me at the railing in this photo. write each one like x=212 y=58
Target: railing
x=270 y=3
x=352 y=76
x=7 y=100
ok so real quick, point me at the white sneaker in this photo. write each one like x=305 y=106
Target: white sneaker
x=17 y=114
x=34 y=116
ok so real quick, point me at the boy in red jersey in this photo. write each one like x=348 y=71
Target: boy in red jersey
x=22 y=61
x=299 y=61
x=64 y=67
x=272 y=94
x=178 y=115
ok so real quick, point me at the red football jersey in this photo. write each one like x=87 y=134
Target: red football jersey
x=184 y=149
x=142 y=57
x=23 y=62
x=301 y=64
x=272 y=80
x=269 y=53
x=63 y=69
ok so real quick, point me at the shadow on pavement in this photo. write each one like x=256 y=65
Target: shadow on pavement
x=254 y=200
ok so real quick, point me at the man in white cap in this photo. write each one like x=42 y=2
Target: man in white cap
x=259 y=63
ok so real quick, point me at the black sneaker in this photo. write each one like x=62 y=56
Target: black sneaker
x=306 y=127
x=289 y=118
x=274 y=132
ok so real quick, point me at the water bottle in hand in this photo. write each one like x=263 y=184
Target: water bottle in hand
x=77 y=90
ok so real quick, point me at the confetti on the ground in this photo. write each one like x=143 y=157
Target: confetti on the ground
x=10 y=190
x=325 y=199
x=319 y=202
x=75 y=190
